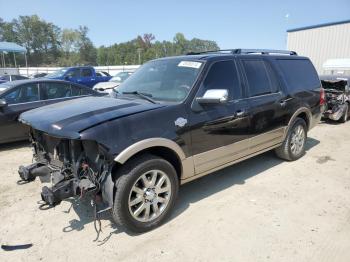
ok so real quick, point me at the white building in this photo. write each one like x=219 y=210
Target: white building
x=327 y=45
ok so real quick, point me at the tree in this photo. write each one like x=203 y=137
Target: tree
x=87 y=51
x=47 y=44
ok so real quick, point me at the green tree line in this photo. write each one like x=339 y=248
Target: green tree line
x=49 y=45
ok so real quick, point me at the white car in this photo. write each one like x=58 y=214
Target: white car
x=115 y=81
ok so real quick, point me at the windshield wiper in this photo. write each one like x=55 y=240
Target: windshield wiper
x=142 y=95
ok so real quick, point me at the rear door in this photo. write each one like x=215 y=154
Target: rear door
x=87 y=77
x=267 y=103
x=219 y=131
x=54 y=92
x=21 y=99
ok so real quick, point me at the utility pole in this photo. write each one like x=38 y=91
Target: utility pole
x=139 y=50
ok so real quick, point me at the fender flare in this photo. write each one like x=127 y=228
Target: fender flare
x=130 y=151
x=294 y=116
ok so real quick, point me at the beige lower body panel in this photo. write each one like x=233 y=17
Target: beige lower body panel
x=221 y=157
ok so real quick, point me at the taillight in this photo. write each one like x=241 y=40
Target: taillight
x=322 y=97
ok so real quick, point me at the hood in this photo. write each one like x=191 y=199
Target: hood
x=67 y=119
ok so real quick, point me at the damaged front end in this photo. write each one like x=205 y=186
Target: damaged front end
x=74 y=167
x=337 y=99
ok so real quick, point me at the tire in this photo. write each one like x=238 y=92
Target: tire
x=286 y=150
x=345 y=116
x=150 y=201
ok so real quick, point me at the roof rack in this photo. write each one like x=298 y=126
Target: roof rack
x=247 y=51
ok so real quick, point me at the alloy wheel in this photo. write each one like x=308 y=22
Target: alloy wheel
x=297 y=140
x=149 y=196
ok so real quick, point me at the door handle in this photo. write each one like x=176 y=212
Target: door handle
x=283 y=102
x=240 y=113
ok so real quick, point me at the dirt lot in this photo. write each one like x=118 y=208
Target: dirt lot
x=263 y=209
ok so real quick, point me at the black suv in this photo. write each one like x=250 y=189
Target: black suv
x=174 y=120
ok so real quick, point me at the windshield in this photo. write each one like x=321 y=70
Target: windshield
x=163 y=80
x=3 y=87
x=58 y=73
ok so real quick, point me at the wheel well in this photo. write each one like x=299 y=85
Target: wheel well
x=305 y=117
x=163 y=152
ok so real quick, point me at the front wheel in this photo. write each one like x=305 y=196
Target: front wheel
x=145 y=193
x=293 y=146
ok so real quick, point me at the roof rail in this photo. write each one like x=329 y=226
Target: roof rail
x=247 y=51
x=263 y=51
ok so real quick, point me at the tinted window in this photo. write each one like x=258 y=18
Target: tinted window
x=55 y=90
x=223 y=75
x=75 y=90
x=6 y=77
x=86 y=72
x=23 y=94
x=18 y=77
x=299 y=74
x=74 y=73
x=85 y=91
x=257 y=77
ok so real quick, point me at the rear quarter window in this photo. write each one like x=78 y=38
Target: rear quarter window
x=299 y=74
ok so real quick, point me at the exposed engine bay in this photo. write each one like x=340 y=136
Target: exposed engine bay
x=337 y=98
x=73 y=167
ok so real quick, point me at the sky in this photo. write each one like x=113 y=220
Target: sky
x=232 y=24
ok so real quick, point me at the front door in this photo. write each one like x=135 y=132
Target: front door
x=23 y=98
x=219 y=131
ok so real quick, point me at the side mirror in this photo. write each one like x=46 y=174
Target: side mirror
x=67 y=77
x=3 y=103
x=213 y=96
x=116 y=78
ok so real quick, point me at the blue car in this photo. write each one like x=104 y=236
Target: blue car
x=84 y=75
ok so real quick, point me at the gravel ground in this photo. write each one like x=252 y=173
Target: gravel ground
x=263 y=209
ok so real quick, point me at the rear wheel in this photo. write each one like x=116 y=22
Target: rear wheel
x=345 y=116
x=145 y=193
x=293 y=146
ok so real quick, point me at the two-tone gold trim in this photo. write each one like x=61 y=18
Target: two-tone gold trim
x=148 y=143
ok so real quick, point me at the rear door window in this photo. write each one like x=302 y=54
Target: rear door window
x=55 y=90
x=75 y=90
x=257 y=73
x=85 y=92
x=299 y=74
x=86 y=72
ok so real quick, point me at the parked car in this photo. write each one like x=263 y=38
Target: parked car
x=84 y=75
x=115 y=81
x=174 y=120
x=102 y=73
x=337 y=90
x=10 y=78
x=38 y=75
x=19 y=96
